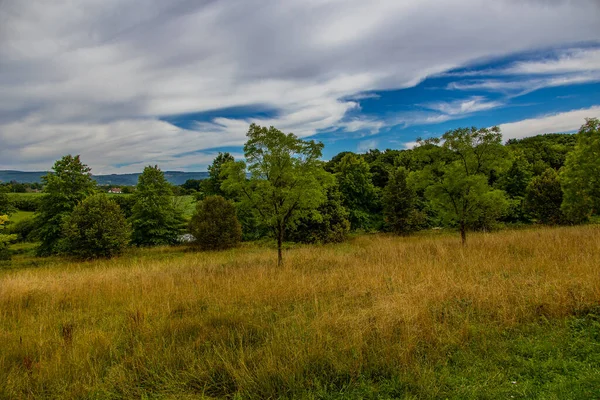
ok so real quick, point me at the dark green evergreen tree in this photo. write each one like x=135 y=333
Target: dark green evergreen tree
x=155 y=219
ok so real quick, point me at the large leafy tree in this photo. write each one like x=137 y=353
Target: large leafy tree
x=581 y=174
x=154 y=217
x=282 y=181
x=96 y=228
x=69 y=182
x=359 y=195
x=459 y=189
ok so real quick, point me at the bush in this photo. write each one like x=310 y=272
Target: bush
x=215 y=225
x=96 y=228
x=25 y=230
x=26 y=202
x=5 y=240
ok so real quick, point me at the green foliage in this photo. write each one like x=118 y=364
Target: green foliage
x=5 y=240
x=215 y=225
x=154 y=218
x=287 y=180
x=399 y=204
x=544 y=197
x=459 y=190
x=25 y=230
x=68 y=184
x=359 y=195
x=544 y=151
x=516 y=178
x=212 y=185
x=96 y=228
x=125 y=203
x=26 y=202
x=6 y=205
x=328 y=224
x=581 y=175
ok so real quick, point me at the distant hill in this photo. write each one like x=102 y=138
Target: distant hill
x=175 y=177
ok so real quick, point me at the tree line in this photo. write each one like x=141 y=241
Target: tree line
x=466 y=180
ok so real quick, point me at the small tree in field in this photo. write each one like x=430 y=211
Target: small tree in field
x=287 y=180
x=215 y=225
x=461 y=193
x=96 y=228
x=155 y=219
x=69 y=183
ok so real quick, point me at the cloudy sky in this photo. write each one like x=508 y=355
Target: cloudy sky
x=127 y=83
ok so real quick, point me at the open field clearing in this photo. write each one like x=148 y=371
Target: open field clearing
x=515 y=314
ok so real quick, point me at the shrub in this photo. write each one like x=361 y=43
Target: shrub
x=5 y=240
x=26 y=203
x=25 y=230
x=215 y=225
x=96 y=228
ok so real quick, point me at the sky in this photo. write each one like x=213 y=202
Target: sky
x=130 y=83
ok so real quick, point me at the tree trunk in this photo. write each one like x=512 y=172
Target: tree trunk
x=279 y=244
x=463 y=234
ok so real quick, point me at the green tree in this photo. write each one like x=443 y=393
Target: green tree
x=399 y=204
x=212 y=185
x=154 y=217
x=327 y=224
x=581 y=174
x=215 y=225
x=286 y=182
x=359 y=195
x=96 y=228
x=69 y=183
x=516 y=178
x=544 y=197
x=459 y=190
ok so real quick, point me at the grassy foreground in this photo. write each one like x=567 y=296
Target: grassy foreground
x=515 y=314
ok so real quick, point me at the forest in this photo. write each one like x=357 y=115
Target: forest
x=466 y=180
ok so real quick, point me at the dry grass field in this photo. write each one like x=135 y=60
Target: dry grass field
x=515 y=314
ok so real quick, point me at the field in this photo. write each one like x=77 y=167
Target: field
x=515 y=314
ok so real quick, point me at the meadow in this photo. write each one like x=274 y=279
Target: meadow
x=514 y=314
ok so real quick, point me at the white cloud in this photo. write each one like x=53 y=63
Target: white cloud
x=463 y=106
x=93 y=76
x=366 y=145
x=576 y=60
x=569 y=121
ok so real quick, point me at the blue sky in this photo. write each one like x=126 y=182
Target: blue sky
x=130 y=83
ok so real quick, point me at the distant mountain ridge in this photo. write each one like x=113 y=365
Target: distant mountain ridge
x=174 y=177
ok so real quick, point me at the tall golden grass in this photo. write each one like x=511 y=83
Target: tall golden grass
x=169 y=322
